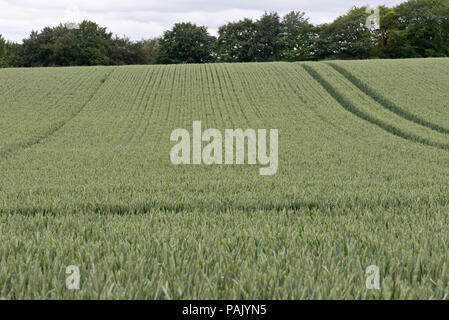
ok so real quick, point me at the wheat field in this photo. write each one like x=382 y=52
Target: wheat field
x=86 y=180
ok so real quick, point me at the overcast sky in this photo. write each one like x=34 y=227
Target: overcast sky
x=147 y=19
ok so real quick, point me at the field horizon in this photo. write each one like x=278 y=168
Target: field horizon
x=362 y=179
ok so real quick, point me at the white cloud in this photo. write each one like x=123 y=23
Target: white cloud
x=146 y=19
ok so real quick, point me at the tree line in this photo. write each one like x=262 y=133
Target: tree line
x=416 y=28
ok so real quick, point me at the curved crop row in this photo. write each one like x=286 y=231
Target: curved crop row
x=376 y=96
x=417 y=86
x=29 y=120
x=358 y=104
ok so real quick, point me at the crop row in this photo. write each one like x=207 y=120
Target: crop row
x=417 y=86
x=367 y=108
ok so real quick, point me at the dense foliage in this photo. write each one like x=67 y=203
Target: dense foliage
x=85 y=44
x=186 y=43
x=416 y=28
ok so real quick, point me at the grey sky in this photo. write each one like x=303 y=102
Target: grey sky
x=146 y=19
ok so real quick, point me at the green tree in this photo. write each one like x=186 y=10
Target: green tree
x=236 y=41
x=187 y=43
x=13 y=55
x=149 y=48
x=33 y=48
x=297 y=37
x=125 y=52
x=345 y=38
x=391 y=41
x=94 y=44
x=2 y=52
x=425 y=26
x=2 y=46
x=10 y=54
x=67 y=45
x=269 y=37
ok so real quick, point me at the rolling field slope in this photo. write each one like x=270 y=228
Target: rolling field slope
x=418 y=87
x=86 y=180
